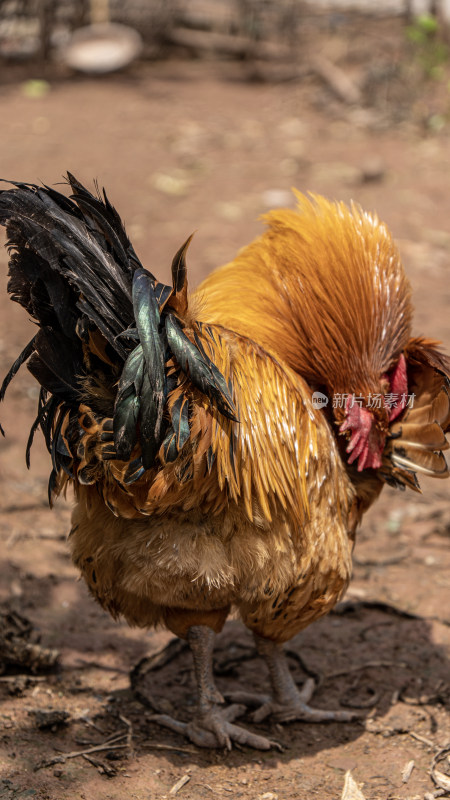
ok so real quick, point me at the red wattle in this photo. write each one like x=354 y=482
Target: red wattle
x=364 y=444
x=398 y=380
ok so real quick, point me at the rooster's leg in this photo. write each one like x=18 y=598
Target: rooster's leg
x=212 y=725
x=287 y=702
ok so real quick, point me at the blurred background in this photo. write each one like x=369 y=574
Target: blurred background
x=201 y=115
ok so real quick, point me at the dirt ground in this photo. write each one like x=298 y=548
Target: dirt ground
x=183 y=146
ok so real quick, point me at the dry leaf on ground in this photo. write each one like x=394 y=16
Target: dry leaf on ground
x=351 y=790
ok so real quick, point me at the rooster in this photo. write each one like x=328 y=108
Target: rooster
x=223 y=446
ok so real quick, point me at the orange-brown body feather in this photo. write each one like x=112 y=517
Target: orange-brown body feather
x=320 y=300
x=252 y=531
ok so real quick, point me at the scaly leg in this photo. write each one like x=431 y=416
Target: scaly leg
x=287 y=702
x=212 y=725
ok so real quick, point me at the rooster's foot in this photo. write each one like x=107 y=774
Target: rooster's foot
x=214 y=728
x=287 y=702
x=291 y=708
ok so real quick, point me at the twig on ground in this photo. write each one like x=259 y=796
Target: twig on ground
x=441 y=780
x=423 y=739
x=113 y=739
x=129 y=733
x=104 y=769
x=92 y=724
x=77 y=753
x=380 y=729
x=173 y=748
x=407 y=771
x=179 y=784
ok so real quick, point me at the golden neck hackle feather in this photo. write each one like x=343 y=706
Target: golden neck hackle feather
x=329 y=257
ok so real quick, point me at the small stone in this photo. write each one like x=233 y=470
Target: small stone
x=268 y=796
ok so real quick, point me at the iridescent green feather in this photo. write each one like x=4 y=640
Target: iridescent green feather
x=200 y=369
x=152 y=394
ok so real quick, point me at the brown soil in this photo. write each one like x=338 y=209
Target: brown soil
x=186 y=146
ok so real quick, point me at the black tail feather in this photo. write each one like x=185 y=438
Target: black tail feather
x=74 y=270
x=25 y=354
x=43 y=408
x=107 y=220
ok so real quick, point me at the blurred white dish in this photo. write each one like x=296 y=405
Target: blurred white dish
x=102 y=47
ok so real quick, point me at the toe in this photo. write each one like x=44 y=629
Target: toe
x=169 y=722
x=307 y=690
x=263 y=712
x=233 y=712
x=202 y=737
x=244 y=737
